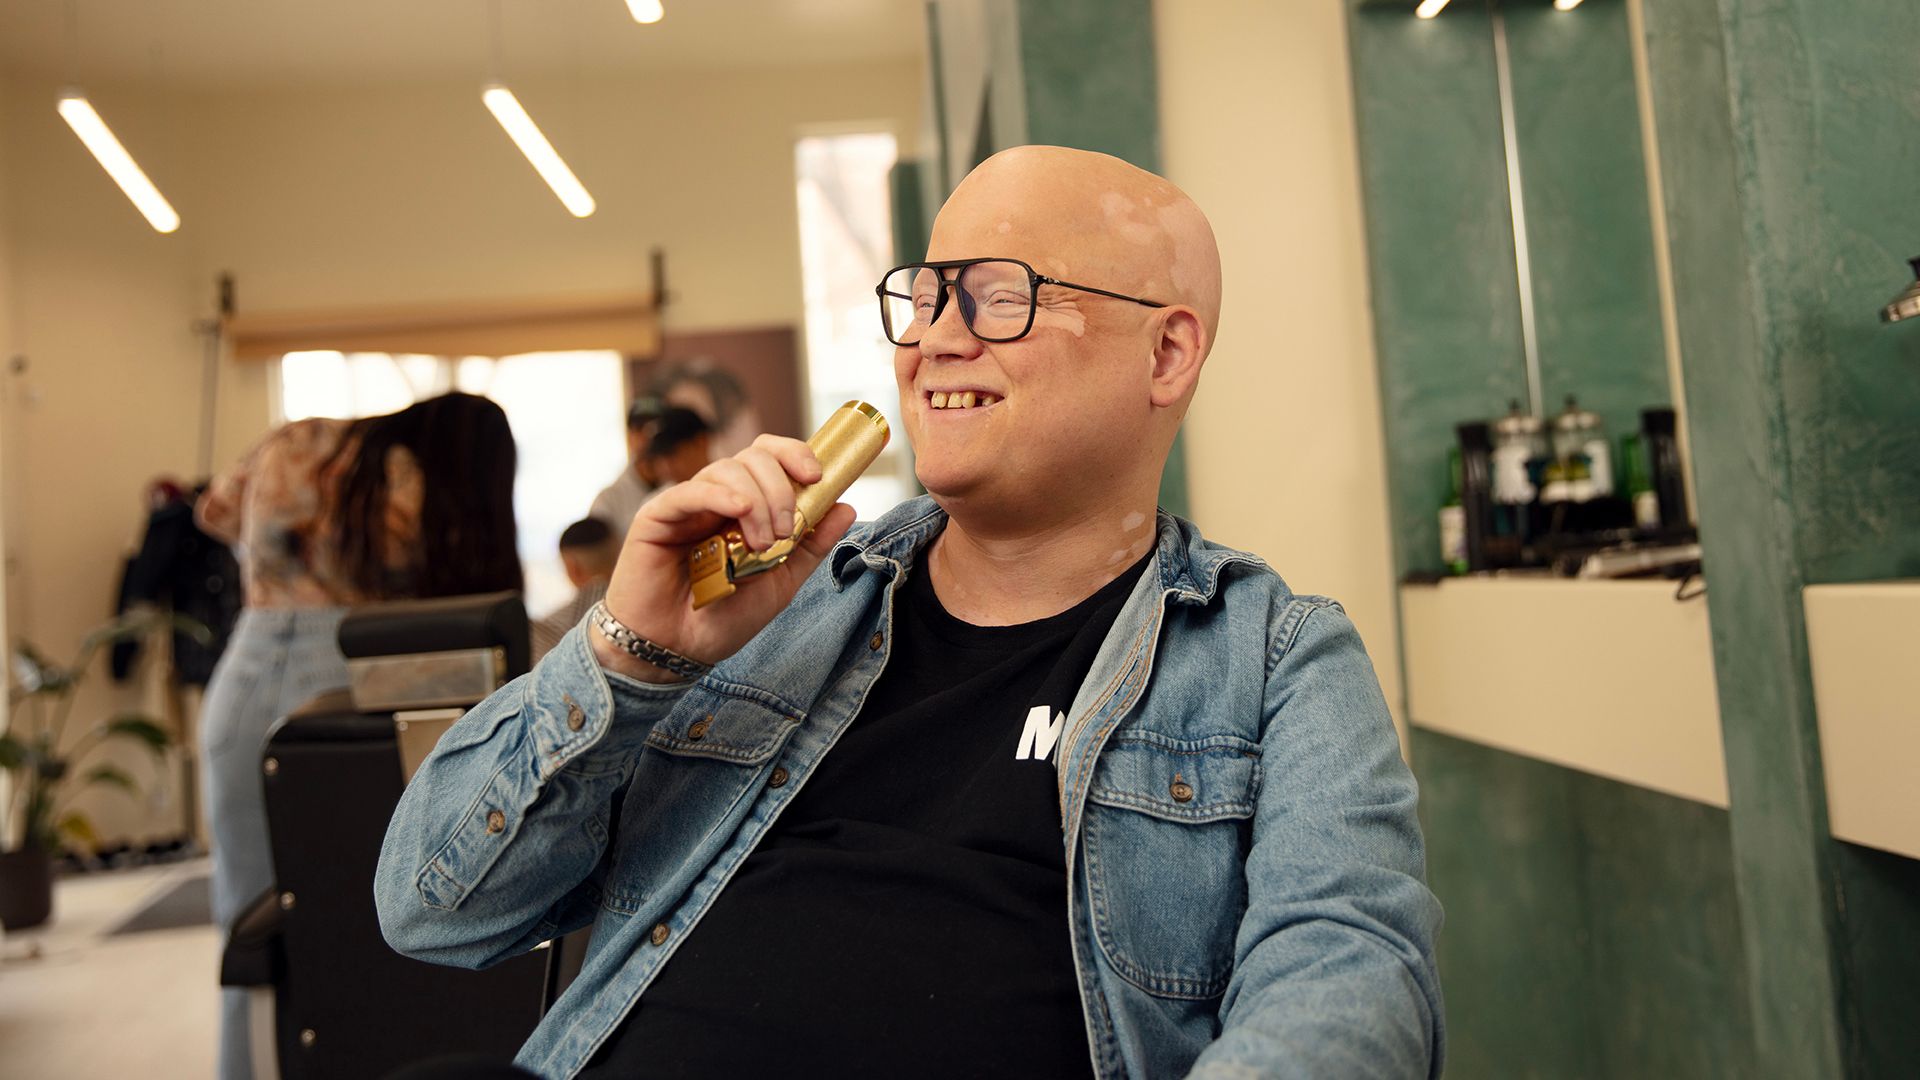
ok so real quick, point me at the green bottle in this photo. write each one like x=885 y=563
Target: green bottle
x=1637 y=482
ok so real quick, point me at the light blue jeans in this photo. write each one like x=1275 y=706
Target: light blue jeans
x=277 y=660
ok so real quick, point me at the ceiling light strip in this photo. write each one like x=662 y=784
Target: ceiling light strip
x=93 y=131
x=545 y=160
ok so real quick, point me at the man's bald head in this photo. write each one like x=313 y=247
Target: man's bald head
x=1090 y=218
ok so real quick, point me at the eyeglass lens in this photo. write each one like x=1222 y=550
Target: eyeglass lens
x=995 y=298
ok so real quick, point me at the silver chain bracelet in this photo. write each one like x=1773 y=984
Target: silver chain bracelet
x=633 y=644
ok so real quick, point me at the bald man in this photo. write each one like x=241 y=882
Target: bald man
x=1025 y=778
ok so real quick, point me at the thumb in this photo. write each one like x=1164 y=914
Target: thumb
x=820 y=541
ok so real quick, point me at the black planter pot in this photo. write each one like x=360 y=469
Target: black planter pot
x=26 y=887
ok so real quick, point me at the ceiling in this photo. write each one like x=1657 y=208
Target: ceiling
x=252 y=42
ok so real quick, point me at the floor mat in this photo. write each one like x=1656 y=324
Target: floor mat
x=188 y=903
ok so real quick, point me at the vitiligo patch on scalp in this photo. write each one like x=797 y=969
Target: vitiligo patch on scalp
x=1123 y=219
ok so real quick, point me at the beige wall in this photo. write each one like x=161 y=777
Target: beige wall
x=1284 y=442
x=6 y=352
x=329 y=196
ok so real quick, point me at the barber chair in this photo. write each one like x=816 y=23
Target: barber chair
x=329 y=997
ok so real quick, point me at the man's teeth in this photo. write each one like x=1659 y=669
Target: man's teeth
x=961 y=399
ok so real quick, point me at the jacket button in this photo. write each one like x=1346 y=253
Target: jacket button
x=496 y=821
x=659 y=935
x=699 y=729
x=1181 y=790
x=779 y=777
x=876 y=641
x=576 y=718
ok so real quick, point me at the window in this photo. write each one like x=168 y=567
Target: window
x=846 y=244
x=567 y=411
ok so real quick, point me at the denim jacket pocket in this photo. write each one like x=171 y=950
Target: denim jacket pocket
x=743 y=732
x=1165 y=841
x=702 y=765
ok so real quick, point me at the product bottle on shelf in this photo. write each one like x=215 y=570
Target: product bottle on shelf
x=1580 y=446
x=1453 y=519
x=1519 y=462
x=1476 y=495
x=1658 y=431
x=1638 y=482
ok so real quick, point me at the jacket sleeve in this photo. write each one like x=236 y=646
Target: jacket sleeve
x=499 y=841
x=1334 y=970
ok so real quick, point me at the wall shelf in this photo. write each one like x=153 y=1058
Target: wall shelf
x=1613 y=678
x=1864 y=641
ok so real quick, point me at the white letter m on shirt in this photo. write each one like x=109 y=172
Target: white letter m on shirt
x=1038 y=737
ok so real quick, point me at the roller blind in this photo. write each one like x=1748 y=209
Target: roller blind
x=629 y=323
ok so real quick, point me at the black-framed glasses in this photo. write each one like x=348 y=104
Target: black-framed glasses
x=995 y=295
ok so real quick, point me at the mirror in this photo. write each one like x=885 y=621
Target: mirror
x=1513 y=243
x=1584 y=225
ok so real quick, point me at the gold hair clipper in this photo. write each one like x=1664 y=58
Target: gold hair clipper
x=846 y=444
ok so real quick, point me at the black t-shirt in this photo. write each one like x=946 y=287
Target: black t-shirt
x=906 y=915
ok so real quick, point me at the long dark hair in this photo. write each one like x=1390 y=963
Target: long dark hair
x=467 y=540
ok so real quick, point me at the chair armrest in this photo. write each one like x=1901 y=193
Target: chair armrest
x=254 y=956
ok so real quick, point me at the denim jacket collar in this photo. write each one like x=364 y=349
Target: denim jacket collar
x=1189 y=567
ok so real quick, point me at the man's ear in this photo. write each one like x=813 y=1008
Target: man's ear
x=1177 y=355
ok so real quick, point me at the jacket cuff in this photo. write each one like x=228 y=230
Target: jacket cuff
x=574 y=708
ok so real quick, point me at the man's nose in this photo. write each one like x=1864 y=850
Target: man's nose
x=948 y=336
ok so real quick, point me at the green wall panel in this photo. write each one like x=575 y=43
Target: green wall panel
x=1503 y=856
x=1881 y=919
x=1591 y=926
x=1790 y=201
x=1841 y=215
x=1440 y=247
x=1091 y=77
x=1590 y=229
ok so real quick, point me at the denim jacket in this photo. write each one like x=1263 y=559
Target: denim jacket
x=1244 y=868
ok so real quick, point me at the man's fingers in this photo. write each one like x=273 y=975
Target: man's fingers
x=756 y=524
x=771 y=474
x=795 y=456
x=693 y=506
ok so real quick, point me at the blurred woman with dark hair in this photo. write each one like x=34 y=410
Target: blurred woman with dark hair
x=325 y=514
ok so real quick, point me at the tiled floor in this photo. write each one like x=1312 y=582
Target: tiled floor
x=77 y=1004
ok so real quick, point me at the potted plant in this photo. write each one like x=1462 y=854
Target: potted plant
x=47 y=763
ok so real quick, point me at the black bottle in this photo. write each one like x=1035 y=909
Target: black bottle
x=1658 y=436
x=1476 y=491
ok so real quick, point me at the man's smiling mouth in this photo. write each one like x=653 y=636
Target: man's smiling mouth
x=960 y=399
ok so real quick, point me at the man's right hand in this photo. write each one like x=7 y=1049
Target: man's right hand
x=650 y=593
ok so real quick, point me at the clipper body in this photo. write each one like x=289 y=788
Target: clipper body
x=846 y=444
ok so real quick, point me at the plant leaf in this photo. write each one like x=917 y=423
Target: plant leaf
x=111 y=774
x=140 y=729
x=76 y=826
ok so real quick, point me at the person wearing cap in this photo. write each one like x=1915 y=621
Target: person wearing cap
x=1025 y=778
x=620 y=500
x=679 y=446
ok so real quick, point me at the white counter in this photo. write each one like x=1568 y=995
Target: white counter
x=1613 y=678
x=1865 y=645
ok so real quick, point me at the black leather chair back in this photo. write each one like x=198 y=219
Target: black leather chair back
x=347 y=1005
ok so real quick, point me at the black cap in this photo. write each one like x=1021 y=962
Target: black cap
x=1658 y=421
x=674 y=427
x=644 y=411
